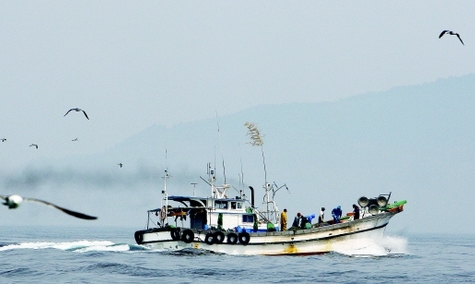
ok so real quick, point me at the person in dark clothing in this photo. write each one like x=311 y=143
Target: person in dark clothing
x=356 y=212
x=303 y=221
x=321 y=217
x=336 y=213
x=297 y=220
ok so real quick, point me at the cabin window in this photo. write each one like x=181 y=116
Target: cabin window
x=233 y=205
x=239 y=205
x=221 y=204
x=248 y=218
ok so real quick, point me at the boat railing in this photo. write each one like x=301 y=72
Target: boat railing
x=267 y=216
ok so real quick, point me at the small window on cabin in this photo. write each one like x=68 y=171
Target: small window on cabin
x=239 y=205
x=233 y=205
x=221 y=204
x=248 y=218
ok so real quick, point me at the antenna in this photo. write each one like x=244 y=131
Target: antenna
x=165 y=179
x=221 y=148
x=166 y=158
x=166 y=176
x=194 y=186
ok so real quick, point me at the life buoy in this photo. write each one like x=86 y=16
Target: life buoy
x=209 y=238
x=175 y=234
x=188 y=236
x=219 y=237
x=232 y=238
x=138 y=237
x=244 y=238
x=163 y=213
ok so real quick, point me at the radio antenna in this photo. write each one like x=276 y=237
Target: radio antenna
x=221 y=148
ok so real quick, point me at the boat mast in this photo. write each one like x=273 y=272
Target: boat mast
x=221 y=149
x=194 y=187
x=165 y=177
x=256 y=140
x=211 y=179
x=267 y=188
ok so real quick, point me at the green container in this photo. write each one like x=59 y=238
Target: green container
x=395 y=204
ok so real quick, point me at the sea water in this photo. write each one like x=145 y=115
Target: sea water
x=110 y=255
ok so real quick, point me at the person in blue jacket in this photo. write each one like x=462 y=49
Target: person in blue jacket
x=336 y=213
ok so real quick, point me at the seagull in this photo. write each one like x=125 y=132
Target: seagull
x=77 y=110
x=13 y=201
x=3 y=139
x=34 y=145
x=120 y=164
x=450 y=33
x=75 y=139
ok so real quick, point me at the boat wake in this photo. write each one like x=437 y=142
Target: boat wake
x=85 y=246
x=75 y=246
x=387 y=246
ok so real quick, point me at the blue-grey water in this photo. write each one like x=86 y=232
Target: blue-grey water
x=110 y=255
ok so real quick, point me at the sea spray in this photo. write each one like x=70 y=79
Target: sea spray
x=388 y=245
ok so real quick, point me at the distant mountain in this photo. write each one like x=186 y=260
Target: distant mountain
x=415 y=141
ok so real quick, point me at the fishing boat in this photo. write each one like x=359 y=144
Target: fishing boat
x=234 y=225
x=231 y=223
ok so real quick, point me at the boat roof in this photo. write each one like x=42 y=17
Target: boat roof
x=184 y=198
x=181 y=198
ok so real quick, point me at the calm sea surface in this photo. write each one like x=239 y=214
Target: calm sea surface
x=110 y=255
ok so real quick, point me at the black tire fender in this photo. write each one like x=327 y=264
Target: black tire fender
x=232 y=238
x=219 y=237
x=187 y=236
x=175 y=234
x=244 y=238
x=138 y=237
x=209 y=238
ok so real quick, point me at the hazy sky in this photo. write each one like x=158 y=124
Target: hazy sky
x=132 y=64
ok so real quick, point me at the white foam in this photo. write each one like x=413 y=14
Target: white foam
x=118 y=248
x=388 y=245
x=395 y=245
x=74 y=245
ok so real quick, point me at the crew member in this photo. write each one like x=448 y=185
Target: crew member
x=336 y=213
x=356 y=212
x=283 y=220
x=321 y=217
x=297 y=220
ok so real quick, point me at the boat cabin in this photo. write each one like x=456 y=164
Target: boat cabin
x=204 y=213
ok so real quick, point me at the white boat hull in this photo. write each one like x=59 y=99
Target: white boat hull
x=350 y=235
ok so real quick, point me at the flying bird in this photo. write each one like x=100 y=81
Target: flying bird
x=120 y=164
x=34 y=145
x=77 y=110
x=3 y=139
x=13 y=201
x=450 y=33
x=75 y=139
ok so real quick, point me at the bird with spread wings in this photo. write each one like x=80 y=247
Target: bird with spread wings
x=14 y=200
x=451 y=33
x=76 y=109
